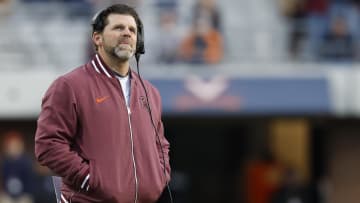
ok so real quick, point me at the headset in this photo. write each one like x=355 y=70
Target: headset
x=98 y=24
x=140 y=43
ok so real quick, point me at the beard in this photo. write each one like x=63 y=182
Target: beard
x=123 y=52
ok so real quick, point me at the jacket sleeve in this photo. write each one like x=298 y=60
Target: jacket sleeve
x=55 y=134
x=164 y=151
x=164 y=148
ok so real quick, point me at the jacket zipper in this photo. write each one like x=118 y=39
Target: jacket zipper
x=132 y=146
x=133 y=158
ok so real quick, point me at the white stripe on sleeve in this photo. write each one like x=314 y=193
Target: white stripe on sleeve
x=85 y=181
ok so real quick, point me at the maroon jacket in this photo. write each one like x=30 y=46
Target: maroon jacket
x=84 y=128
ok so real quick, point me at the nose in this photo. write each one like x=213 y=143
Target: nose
x=126 y=32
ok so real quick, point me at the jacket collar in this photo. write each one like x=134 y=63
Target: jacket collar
x=101 y=68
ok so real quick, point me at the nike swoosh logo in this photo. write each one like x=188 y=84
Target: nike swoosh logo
x=101 y=99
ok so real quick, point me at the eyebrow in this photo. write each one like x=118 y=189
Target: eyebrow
x=123 y=25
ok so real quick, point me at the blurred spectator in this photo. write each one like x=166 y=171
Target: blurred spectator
x=168 y=37
x=316 y=26
x=203 y=44
x=263 y=177
x=338 y=44
x=350 y=12
x=208 y=10
x=291 y=190
x=16 y=167
x=294 y=11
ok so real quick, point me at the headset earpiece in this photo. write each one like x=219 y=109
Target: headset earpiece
x=140 y=45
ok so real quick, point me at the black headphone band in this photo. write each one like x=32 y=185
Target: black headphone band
x=140 y=43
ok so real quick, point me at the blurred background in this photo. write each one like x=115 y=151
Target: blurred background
x=261 y=98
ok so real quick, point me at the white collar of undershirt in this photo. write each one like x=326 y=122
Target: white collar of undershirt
x=125 y=86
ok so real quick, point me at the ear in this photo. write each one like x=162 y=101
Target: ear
x=97 y=38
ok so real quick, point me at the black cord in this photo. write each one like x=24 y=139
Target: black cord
x=137 y=56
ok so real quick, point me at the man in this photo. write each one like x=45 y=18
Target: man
x=100 y=126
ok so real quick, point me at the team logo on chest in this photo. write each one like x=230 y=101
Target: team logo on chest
x=99 y=100
x=143 y=102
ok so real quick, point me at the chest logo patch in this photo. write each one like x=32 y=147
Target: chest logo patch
x=101 y=99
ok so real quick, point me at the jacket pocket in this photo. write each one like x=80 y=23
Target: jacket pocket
x=96 y=188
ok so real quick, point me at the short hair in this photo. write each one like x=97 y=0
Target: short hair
x=100 y=20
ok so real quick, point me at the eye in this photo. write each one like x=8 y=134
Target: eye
x=132 y=29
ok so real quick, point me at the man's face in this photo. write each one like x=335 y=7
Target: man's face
x=119 y=36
